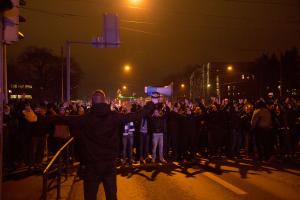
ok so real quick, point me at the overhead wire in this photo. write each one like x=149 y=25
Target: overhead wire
x=187 y=26
x=274 y=3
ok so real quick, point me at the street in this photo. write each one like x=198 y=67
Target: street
x=206 y=180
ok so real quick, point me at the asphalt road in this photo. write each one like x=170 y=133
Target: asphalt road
x=206 y=180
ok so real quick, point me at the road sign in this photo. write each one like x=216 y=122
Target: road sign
x=111 y=30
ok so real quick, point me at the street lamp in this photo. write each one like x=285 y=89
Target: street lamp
x=229 y=68
x=127 y=68
x=135 y=2
x=182 y=85
x=124 y=87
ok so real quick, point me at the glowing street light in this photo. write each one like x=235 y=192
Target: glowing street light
x=124 y=87
x=135 y=2
x=208 y=85
x=229 y=68
x=182 y=85
x=127 y=68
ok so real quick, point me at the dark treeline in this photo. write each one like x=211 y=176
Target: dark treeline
x=42 y=69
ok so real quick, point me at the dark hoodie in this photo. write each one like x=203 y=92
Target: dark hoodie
x=99 y=131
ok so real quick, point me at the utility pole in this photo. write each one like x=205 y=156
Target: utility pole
x=280 y=81
x=62 y=74
x=5 y=90
x=68 y=71
x=1 y=101
x=218 y=85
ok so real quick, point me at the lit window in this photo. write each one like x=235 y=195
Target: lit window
x=21 y=86
x=13 y=96
x=14 y=86
x=28 y=86
x=243 y=76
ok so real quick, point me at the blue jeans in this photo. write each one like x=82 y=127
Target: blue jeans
x=127 y=146
x=144 y=145
x=157 y=141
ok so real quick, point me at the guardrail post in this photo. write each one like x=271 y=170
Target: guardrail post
x=45 y=186
x=58 y=158
x=67 y=170
x=59 y=178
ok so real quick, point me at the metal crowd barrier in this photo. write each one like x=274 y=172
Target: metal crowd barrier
x=55 y=166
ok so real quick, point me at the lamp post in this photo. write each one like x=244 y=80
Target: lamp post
x=229 y=68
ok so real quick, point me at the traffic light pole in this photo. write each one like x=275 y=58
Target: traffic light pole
x=68 y=70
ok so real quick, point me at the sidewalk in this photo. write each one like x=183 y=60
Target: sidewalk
x=25 y=185
x=29 y=188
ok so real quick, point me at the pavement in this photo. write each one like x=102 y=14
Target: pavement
x=21 y=184
x=25 y=184
x=206 y=179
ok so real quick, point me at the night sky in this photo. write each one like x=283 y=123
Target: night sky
x=159 y=37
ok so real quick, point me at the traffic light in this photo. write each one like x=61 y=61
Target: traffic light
x=11 y=20
x=5 y=5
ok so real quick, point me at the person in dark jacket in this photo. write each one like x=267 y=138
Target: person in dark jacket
x=189 y=132
x=144 y=140
x=39 y=137
x=173 y=129
x=235 y=131
x=247 y=135
x=100 y=143
x=214 y=130
x=158 y=129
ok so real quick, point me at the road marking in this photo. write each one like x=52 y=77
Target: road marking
x=225 y=183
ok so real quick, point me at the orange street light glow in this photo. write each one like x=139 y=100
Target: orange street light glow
x=135 y=2
x=127 y=68
x=229 y=68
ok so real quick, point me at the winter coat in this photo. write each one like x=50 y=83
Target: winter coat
x=158 y=125
x=100 y=131
x=262 y=118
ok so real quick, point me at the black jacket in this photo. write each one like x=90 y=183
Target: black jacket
x=99 y=131
x=158 y=125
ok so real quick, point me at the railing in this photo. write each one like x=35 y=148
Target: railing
x=57 y=170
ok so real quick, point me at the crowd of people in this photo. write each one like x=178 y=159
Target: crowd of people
x=185 y=130
x=181 y=130
x=30 y=136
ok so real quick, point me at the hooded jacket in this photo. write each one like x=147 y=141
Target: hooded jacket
x=99 y=131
